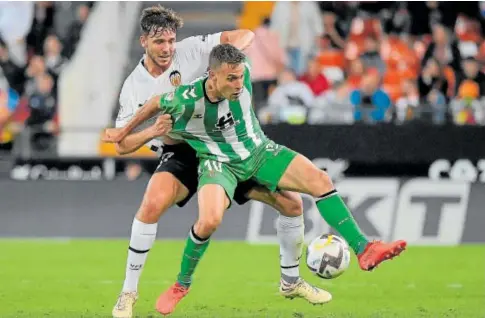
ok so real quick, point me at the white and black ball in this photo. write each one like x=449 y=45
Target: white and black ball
x=328 y=256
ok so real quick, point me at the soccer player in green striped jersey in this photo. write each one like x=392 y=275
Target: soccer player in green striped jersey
x=215 y=116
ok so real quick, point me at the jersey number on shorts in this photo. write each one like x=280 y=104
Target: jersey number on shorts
x=212 y=165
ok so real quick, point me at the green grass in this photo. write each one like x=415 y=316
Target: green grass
x=83 y=278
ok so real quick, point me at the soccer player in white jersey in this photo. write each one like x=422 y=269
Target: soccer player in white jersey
x=166 y=65
x=233 y=148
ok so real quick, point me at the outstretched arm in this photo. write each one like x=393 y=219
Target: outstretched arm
x=116 y=135
x=241 y=39
x=134 y=141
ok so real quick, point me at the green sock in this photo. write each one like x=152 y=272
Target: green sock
x=193 y=252
x=332 y=208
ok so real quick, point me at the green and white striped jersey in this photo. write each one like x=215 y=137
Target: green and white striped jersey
x=226 y=131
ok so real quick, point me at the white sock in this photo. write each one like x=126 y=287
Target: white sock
x=142 y=239
x=290 y=231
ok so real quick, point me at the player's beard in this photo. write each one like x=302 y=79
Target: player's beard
x=153 y=58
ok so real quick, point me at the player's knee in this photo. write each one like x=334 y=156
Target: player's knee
x=153 y=207
x=209 y=224
x=293 y=207
x=320 y=183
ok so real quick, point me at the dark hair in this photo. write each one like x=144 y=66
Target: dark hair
x=157 y=18
x=225 y=53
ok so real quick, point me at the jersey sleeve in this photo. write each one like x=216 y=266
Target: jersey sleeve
x=172 y=102
x=125 y=111
x=197 y=50
x=203 y=44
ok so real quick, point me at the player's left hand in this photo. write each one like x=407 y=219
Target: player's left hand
x=112 y=135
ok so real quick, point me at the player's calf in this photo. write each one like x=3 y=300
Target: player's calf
x=302 y=175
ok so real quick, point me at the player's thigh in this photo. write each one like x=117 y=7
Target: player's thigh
x=181 y=162
x=213 y=202
x=213 y=173
x=275 y=160
x=303 y=176
x=163 y=191
x=286 y=202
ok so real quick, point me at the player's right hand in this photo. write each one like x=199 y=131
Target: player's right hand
x=162 y=126
x=113 y=135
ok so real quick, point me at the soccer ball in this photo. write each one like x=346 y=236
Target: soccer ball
x=328 y=256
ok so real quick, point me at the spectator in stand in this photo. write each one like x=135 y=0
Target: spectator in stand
x=36 y=68
x=433 y=87
x=355 y=74
x=42 y=101
x=408 y=104
x=52 y=54
x=314 y=78
x=14 y=75
x=268 y=59
x=371 y=103
x=300 y=27
x=75 y=28
x=333 y=106
x=467 y=108
x=43 y=23
x=290 y=100
x=443 y=49
x=472 y=72
x=371 y=56
x=432 y=78
x=337 y=18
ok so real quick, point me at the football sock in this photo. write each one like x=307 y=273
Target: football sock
x=142 y=238
x=333 y=210
x=194 y=250
x=290 y=232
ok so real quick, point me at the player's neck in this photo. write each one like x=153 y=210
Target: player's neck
x=152 y=68
x=211 y=92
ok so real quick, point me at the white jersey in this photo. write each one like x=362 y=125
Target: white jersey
x=190 y=61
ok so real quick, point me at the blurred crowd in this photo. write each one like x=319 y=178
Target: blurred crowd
x=346 y=62
x=313 y=62
x=37 y=39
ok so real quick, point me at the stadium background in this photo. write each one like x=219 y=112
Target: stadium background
x=388 y=97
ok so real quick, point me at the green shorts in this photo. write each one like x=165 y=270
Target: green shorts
x=266 y=166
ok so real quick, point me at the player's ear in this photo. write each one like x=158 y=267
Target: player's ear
x=143 y=41
x=212 y=75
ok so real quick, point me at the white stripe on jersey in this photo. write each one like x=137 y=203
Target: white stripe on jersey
x=245 y=101
x=230 y=134
x=196 y=126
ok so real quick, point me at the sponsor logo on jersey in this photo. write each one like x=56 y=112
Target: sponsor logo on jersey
x=225 y=122
x=175 y=78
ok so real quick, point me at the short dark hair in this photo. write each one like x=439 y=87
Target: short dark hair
x=157 y=18
x=225 y=53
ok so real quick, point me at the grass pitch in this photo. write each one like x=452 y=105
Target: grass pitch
x=83 y=278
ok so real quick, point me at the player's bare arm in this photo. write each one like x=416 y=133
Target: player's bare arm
x=241 y=39
x=134 y=141
x=148 y=110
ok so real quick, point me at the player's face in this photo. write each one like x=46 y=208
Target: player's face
x=230 y=80
x=160 y=47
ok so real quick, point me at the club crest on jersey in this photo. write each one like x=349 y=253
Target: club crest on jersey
x=175 y=78
x=226 y=122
